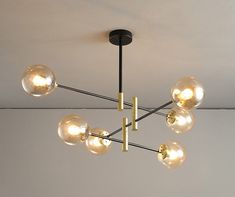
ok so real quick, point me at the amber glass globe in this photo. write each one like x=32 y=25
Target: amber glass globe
x=38 y=80
x=73 y=129
x=98 y=145
x=171 y=154
x=180 y=120
x=187 y=93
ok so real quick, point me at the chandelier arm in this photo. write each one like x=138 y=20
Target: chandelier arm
x=120 y=141
x=106 y=98
x=141 y=117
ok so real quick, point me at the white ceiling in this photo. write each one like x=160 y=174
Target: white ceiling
x=171 y=39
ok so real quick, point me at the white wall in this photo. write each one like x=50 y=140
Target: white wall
x=34 y=161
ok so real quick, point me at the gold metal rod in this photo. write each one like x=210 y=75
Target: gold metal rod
x=120 y=101
x=124 y=135
x=141 y=117
x=134 y=113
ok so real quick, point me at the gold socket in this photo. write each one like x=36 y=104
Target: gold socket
x=163 y=151
x=134 y=113
x=124 y=135
x=170 y=118
x=120 y=101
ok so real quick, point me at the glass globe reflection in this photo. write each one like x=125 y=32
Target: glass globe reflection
x=187 y=93
x=171 y=154
x=38 y=80
x=98 y=145
x=73 y=129
x=180 y=120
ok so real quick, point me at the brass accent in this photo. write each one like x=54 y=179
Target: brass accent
x=163 y=151
x=120 y=101
x=134 y=113
x=170 y=118
x=124 y=135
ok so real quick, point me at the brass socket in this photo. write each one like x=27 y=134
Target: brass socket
x=170 y=118
x=134 y=113
x=120 y=101
x=163 y=151
x=124 y=135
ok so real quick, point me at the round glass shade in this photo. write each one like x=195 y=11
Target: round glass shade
x=73 y=129
x=187 y=93
x=98 y=145
x=171 y=154
x=180 y=120
x=38 y=80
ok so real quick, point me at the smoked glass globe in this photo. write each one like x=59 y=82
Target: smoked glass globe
x=98 y=145
x=187 y=93
x=180 y=120
x=73 y=129
x=171 y=154
x=38 y=80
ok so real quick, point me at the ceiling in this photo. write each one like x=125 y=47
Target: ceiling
x=171 y=39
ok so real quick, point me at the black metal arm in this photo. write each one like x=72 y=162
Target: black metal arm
x=129 y=143
x=106 y=98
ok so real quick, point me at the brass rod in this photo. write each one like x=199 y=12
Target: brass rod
x=120 y=101
x=124 y=135
x=134 y=113
x=142 y=117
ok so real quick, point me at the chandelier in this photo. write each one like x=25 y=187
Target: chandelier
x=187 y=94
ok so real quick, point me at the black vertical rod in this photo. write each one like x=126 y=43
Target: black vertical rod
x=120 y=64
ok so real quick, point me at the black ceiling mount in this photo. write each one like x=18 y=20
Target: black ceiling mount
x=120 y=36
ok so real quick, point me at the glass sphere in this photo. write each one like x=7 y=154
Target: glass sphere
x=180 y=120
x=38 y=80
x=98 y=145
x=171 y=154
x=73 y=129
x=187 y=93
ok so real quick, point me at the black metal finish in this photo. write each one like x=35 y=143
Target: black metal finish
x=120 y=64
x=141 y=117
x=120 y=37
x=114 y=37
x=129 y=143
x=106 y=98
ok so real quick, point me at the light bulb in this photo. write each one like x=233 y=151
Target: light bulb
x=98 y=145
x=38 y=80
x=187 y=93
x=73 y=129
x=171 y=154
x=180 y=120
